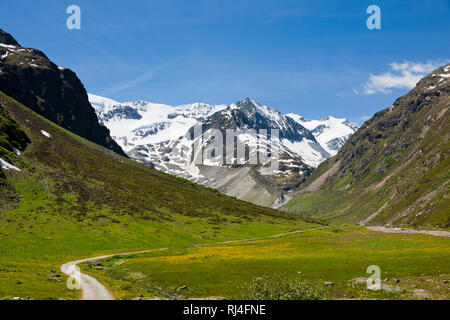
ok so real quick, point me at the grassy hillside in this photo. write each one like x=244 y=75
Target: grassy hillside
x=73 y=198
x=11 y=135
x=395 y=170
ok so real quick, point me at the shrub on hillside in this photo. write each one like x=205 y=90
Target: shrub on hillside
x=11 y=135
x=283 y=287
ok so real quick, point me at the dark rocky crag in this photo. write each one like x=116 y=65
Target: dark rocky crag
x=28 y=76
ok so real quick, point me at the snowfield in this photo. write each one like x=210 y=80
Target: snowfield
x=328 y=131
x=157 y=122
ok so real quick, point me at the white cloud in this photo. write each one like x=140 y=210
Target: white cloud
x=403 y=75
x=137 y=81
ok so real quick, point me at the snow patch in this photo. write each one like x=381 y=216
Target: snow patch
x=7 y=166
x=305 y=149
x=45 y=133
x=9 y=46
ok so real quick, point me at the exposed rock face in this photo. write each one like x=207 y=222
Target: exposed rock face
x=248 y=114
x=56 y=93
x=7 y=39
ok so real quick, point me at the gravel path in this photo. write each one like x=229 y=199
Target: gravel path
x=91 y=288
x=401 y=230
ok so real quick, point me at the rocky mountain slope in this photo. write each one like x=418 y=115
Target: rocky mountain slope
x=56 y=93
x=394 y=170
x=162 y=136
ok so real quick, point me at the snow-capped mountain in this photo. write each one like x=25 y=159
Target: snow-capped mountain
x=141 y=122
x=330 y=132
x=296 y=141
x=162 y=136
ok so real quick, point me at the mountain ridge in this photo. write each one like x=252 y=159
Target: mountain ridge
x=394 y=170
x=104 y=105
x=156 y=134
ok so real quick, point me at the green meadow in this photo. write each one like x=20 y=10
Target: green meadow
x=73 y=199
x=337 y=255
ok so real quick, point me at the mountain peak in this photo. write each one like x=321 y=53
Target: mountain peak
x=437 y=79
x=57 y=94
x=245 y=103
x=6 y=38
x=250 y=105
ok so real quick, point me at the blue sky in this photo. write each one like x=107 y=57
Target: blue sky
x=314 y=58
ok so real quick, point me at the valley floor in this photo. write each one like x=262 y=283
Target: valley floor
x=413 y=266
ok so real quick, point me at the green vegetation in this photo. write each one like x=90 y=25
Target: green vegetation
x=320 y=255
x=283 y=287
x=11 y=136
x=74 y=199
x=396 y=167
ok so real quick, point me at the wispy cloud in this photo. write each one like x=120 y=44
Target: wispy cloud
x=402 y=75
x=279 y=14
x=149 y=74
x=325 y=9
